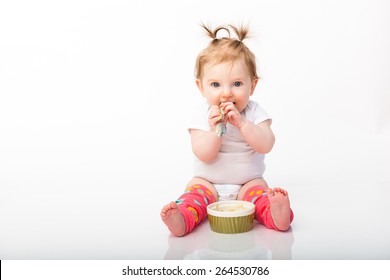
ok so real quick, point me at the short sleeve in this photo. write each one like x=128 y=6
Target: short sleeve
x=255 y=113
x=199 y=118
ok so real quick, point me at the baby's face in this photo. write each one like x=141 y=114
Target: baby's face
x=227 y=82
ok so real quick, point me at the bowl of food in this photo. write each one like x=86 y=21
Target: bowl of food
x=233 y=216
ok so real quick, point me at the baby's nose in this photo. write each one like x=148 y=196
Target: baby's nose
x=226 y=93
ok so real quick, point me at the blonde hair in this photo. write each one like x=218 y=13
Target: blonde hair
x=226 y=49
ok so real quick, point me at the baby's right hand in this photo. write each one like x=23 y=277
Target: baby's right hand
x=215 y=117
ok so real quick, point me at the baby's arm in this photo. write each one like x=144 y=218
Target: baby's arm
x=206 y=144
x=260 y=137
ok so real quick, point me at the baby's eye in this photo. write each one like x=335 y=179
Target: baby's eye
x=237 y=84
x=215 y=84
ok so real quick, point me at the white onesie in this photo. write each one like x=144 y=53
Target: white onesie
x=236 y=163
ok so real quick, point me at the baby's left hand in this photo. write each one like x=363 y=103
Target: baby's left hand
x=232 y=115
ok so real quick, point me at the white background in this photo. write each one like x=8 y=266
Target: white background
x=95 y=95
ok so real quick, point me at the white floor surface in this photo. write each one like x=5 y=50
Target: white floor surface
x=331 y=222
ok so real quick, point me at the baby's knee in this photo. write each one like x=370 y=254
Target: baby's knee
x=258 y=182
x=204 y=182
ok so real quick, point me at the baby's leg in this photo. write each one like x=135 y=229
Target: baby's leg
x=251 y=184
x=190 y=209
x=272 y=205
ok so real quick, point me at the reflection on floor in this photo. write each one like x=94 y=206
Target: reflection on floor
x=204 y=244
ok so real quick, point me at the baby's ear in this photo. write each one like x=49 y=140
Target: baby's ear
x=200 y=86
x=254 y=84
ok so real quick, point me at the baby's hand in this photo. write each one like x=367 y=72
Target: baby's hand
x=215 y=117
x=233 y=116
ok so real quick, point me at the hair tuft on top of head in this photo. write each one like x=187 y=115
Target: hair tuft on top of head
x=214 y=34
x=226 y=49
x=241 y=32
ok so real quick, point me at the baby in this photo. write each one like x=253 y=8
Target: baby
x=229 y=137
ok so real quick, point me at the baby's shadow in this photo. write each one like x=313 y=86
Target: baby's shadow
x=204 y=244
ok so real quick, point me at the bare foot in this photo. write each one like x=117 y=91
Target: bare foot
x=174 y=220
x=280 y=207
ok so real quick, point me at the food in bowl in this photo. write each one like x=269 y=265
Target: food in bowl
x=230 y=208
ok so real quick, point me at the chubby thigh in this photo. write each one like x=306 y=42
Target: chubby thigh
x=255 y=182
x=207 y=184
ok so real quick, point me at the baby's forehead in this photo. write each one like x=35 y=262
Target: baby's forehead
x=236 y=67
